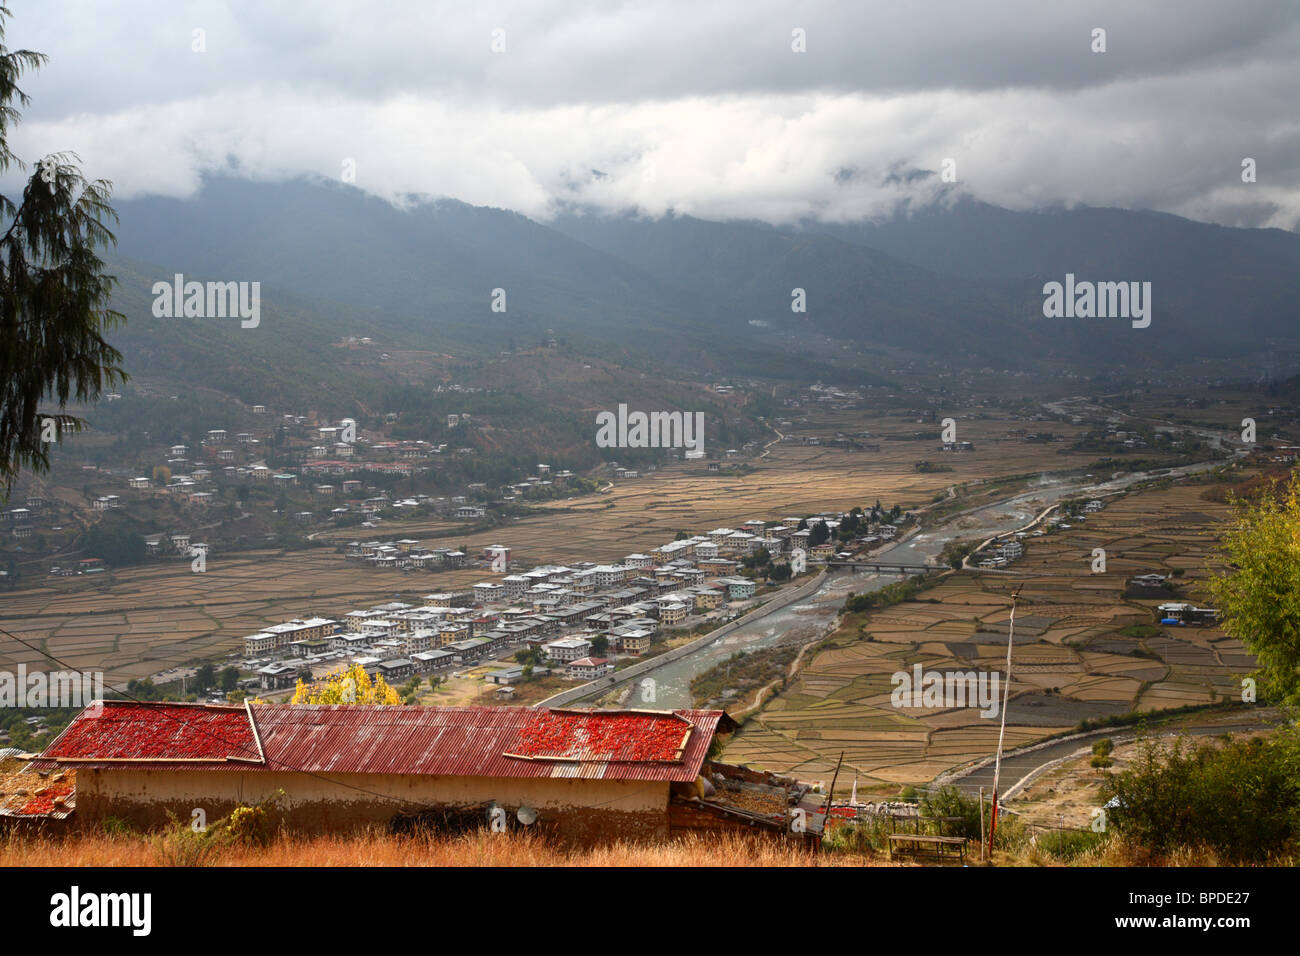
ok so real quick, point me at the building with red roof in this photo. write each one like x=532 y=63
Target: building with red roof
x=590 y=668
x=582 y=775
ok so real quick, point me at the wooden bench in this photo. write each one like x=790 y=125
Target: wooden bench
x=917 y=842
x=895 y=817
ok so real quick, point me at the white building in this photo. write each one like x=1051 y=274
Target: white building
x=590 y=668
x=567 y=649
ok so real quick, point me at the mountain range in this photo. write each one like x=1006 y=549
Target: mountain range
x=960 y=283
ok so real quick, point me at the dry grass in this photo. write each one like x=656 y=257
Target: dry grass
x=482 y=848
x=373 y=848
x=370 y=849
x=1118 y=852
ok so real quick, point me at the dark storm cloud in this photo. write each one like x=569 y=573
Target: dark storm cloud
x=700 y=107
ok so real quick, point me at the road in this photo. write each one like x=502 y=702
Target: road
x=1017 y=766
x=810 y=618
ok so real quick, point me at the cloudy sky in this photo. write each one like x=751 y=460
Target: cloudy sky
x=699 y=107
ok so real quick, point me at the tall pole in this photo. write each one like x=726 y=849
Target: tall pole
x=830 y=795
x=982 y=825
x=1002 y=730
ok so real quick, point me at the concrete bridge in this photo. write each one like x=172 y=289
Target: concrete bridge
x=883 y=567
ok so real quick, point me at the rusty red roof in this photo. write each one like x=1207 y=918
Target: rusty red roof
x=444 y=741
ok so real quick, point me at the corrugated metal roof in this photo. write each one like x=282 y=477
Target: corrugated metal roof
x=447 y=741
x=170 y=732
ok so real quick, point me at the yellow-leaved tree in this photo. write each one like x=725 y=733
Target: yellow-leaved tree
x=351 y=685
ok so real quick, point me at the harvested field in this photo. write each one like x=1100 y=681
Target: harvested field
x=136 y=622
x=1072 y=660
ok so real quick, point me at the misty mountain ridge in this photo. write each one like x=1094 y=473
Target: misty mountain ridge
x=960 y=283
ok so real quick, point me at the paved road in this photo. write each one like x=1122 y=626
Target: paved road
x=1016 y=766
x=920 y=546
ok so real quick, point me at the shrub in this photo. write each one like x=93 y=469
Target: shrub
x=1011 y=834
x=1239 y=798
x=250 y=826
x=1141 y=631
x=869 y=835
x=1067 y=845
x=951 y=802
x=179 y=844
x=887 y=596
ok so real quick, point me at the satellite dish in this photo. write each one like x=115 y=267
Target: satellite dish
x=526 y=815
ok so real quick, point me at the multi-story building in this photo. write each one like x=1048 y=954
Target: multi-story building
x=567 y=649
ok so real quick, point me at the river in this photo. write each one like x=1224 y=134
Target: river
x=812 y=617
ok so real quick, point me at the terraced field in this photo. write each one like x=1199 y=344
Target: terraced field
x=138 y=621
x=1078 y=654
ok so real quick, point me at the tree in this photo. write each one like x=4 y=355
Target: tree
x=143 y=689
x=228 y=678
x=54 y=292
x=348 y=686
x=114 y=540
x=205 y=677
x=599 y=644
x=1259 y=599
x=955 y=552
x=818 y=534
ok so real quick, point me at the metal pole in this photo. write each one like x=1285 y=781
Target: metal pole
x=982 y=857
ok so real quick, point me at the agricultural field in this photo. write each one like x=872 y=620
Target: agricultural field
x=135 y=622
x=139 y=621
x=1083 y=651
x=788 y=479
